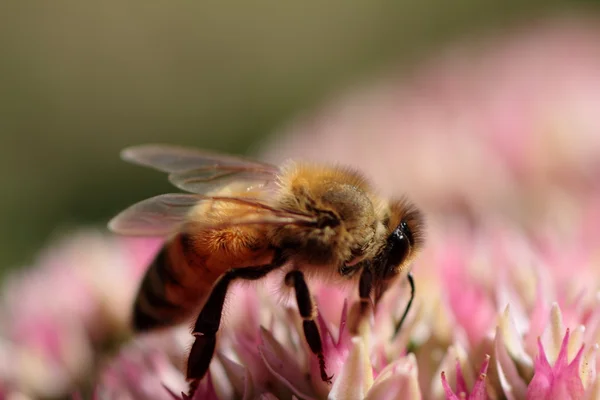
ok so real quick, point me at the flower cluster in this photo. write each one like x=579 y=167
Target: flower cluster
x=60 y=316
x=506 y=125
x=498 y=145
x=490 y=325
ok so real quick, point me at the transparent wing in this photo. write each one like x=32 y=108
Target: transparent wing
x=165 y=214
x=156 y=216
x=176 y=159
x=199 y=171
x=207 y=180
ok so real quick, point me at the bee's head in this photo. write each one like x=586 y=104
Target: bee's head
x=405 y=239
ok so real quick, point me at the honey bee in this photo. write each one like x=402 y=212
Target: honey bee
x=242 y=219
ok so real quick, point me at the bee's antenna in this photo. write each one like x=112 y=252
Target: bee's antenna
x=411 y=282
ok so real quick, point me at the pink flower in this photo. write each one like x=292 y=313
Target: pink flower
x=204 y=391
x=560 y=381
x=477 y=393
x=74 y=303
x=499 y=126
x=496 y=141
x=472 y=306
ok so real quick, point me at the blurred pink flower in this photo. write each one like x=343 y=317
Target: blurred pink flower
x=75 y=302
x=501 y=129
x=497 y=140
x=505 y=125
x=261 y=351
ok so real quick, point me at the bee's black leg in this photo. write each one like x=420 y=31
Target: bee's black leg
x=360 y=310
x=411 y=282
x=365 y=285
x=308 y=312
x=207 y=324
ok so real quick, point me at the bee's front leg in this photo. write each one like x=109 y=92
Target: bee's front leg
x=308 y=312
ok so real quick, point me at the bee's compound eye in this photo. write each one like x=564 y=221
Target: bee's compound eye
x=398 y=248
x=407 y=232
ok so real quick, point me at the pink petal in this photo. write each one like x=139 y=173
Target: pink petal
x=205 y=390
x=399 y=380
x=559 y=382
x=461 y=385
x=479 y=392
x=283 y=365
x=238 y=375
x=400 y=387
x=479 y=388
x=356 y=376
x=471 y=305
x=447 y=389
x=510 y=380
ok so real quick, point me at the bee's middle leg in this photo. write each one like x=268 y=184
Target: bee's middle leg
x=308 y=312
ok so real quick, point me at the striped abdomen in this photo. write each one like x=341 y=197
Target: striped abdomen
x=184 y=271
x=173 y=288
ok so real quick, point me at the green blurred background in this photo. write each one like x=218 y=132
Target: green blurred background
x=80 y=80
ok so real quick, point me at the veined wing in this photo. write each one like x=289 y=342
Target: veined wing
x=157 y=216
x=212 y=179
x=174 y=159
x=200 y=171
x=168 y=213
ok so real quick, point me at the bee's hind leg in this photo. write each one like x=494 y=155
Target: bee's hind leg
x=308 y=312
x=209 y=320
